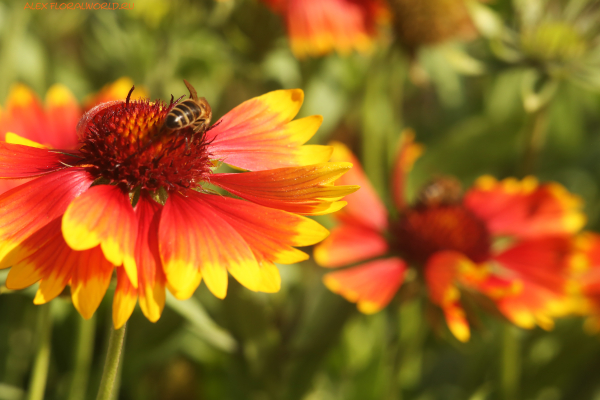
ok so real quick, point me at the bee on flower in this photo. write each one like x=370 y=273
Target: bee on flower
x=513 y=241
x=127 y=197
x=318 y=27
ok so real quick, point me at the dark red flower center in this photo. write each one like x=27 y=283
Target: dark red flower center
x=439 y=221
x=423 y=231
x=124 y=143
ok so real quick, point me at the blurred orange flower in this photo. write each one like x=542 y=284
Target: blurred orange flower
x=128 y=194
x=318 y=27
x=511 y=240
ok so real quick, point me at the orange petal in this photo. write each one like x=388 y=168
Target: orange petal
x=270 y=233
x=408 y=153
x=364 y=199
x=124 y=299
x=371 y=285
x=193 y=236
x=103 y=216
x=302 y=190
x=27 y=208
x=442 y=272
x=91 y=274
x=317 y=27
x=349 y=244
x=545 y=261
x=18 y=161
x=258 y=135
x=151 y=277
x=524 y=208
x=24 y=114
x=63 y=113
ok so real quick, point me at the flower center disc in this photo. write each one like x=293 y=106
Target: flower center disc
x=125 y=143
x=425 y=230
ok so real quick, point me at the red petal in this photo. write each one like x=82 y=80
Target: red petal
x=544 y=262
x=408 y=153
x=193 y=236
x=371 y=285
x=90 y=278
x=349 y=244
x=124 y=299
x=271 y=234
x=27 y=208
x=364 y=206
x=317 y=27
x=18 y=161
x=302 y=190
x=442 y=271
x=524 y=208
x=103 y=216
x=259 y=134
x=151 y=278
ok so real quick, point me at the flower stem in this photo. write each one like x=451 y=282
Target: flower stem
x=83 y=358
x=511 y=362
x=111 y=365
x=535 y=139
x=393 y=351
x=39 y=376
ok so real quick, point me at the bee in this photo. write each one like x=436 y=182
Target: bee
x=441 y=191
x=193 y=111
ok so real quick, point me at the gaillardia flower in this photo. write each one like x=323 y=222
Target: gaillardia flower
x=318 y=27
x=509 y=240
x=146 y=200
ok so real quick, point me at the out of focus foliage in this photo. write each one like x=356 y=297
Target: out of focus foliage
x=534 y=67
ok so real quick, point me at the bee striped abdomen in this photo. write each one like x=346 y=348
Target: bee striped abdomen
x=183 y=114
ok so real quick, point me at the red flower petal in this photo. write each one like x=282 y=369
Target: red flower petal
x=371 y=285
x=317 y=27
x=349 y=244
x=151 y=278
x=258 y=135
x=27 y=208
x=302 y=190
x=63 y=114
x=103 y=216
x=364 y=206
x=271 y=234
x=18 y=161
x=442 y=271
x=46 y=256
x=524 y=208
x=544 y=262
x=124 y=299
x=91 y=274
x=408 y=153
x=192 y=237
x=24 y=114
x=54 y=126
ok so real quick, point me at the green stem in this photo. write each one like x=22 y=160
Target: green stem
x=511 y=363
x=535 y=139
x=111 y=366
x=37 y=385
x=83 y=358
x=393 y=351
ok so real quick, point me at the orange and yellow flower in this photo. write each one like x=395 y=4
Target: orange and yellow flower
x=131 y=197
x=512 y=240
x=318 y=27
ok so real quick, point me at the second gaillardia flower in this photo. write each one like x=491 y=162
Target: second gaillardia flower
x=512 y=241
x=143 y=197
